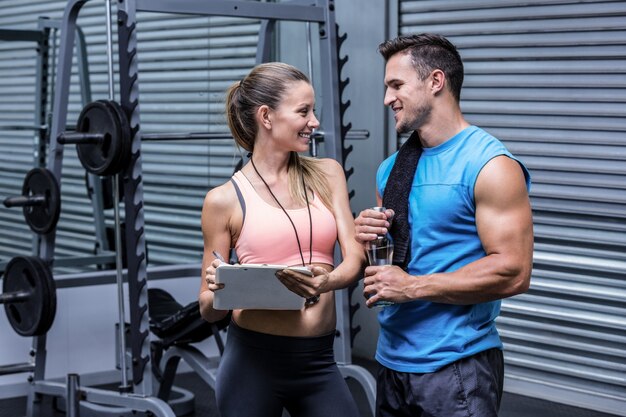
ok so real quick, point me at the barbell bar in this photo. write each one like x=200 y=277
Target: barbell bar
x=14 y=297
x=72 y=137
x=39 y=128
x=154 y=137
x=103 y=137
x=80 y=138
x=25 y=201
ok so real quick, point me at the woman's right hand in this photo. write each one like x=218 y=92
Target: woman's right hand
x=209 y=276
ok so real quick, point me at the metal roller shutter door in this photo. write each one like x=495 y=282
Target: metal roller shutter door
x=17 y=97
x=185 y=65
x=549 y=79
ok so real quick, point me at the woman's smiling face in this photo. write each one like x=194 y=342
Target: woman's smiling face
x=294 y=119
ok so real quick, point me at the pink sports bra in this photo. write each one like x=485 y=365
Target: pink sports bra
x=267 y=236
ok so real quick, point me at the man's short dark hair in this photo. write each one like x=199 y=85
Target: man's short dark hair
x=429 y=52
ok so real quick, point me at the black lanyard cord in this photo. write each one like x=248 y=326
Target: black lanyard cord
x=295 y=230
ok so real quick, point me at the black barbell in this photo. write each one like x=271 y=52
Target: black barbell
x=40 y=199
x=29 y=295
x=103 y=137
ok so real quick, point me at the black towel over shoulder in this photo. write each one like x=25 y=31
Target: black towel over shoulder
x=396 y=197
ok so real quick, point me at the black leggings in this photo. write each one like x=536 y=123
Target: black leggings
x=260 y=374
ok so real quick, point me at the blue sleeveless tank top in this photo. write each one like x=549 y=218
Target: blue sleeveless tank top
x=422 y=336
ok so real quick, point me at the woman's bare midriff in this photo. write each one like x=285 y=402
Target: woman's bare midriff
x=315 y=320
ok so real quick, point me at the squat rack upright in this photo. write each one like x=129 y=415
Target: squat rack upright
x=314 y=11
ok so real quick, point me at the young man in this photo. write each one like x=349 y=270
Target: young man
x=462 y=230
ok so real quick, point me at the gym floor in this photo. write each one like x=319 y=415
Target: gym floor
x=512 y=405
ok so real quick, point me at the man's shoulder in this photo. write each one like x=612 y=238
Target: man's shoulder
x=490 y=150
x=480 y=146
x=478 y=134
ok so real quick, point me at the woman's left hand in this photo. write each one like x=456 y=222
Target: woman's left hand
x=305 y=285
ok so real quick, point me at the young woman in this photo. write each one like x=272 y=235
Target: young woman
x=280 y=208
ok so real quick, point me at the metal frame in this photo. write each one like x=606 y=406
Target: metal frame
x=43 y=89
x=319 y=11
x=93 y=182
x=41 y=37
x=392 y=142
x=40 y=127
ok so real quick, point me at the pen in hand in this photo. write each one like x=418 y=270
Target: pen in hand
x=218 y=256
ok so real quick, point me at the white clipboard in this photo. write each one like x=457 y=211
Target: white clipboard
x=255 y=286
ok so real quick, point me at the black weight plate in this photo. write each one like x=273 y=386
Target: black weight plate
x=126 y=134
x=32 y=316
x=50 y=298
x=99 y=158
x=42 y=218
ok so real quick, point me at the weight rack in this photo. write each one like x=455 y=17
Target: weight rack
x=45 y=36
x=32 y=313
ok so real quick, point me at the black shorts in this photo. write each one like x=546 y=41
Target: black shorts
x=260 y=374
x=470 y=387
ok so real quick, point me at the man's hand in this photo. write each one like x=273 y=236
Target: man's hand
x=371 y=223
x=388 y=283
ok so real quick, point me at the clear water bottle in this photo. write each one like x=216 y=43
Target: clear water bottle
x=380 y=252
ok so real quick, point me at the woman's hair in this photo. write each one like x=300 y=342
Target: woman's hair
x=267 y=84
x=429 y=52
